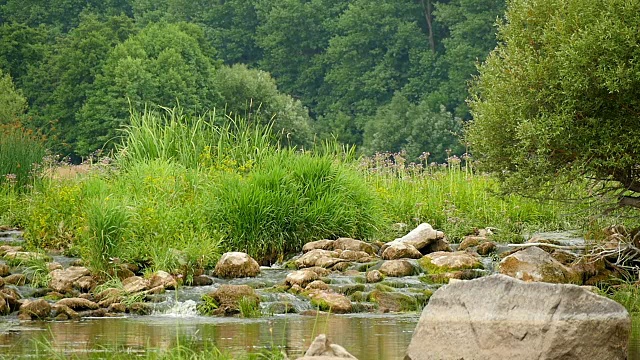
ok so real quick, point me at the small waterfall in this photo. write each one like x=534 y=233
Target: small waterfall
x=185 y=308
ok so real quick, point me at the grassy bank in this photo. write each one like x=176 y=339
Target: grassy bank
x=180 y=191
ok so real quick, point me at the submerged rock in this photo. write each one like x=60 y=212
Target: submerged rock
x=499 y=317
x=228 y=297
x=236 y=265
x=322 y=349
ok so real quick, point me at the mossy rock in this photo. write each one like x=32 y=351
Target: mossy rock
x=359 y=296
x=445 y=262
x=393 y=301
x=348 y=289
x=385 y=288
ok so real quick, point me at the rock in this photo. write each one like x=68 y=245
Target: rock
x=4 y=270
x=401 y=251
x=535 y=264
x=135 y=284
x=470 y=241
x=139 y=308
x=236 y=265
x=1 y=283
x=320 y=271
x=486 y=248
x=354 y=245
x=5 y=309
x=565 y=257
x=16 y=279
x=317 y=285
x=419 y=238
x=36 y=309
x=62 y=280
x=94 y=313
x=322 y=349
x=393 y=301
x=498 y=317
x=436 y=245
x=300 y=277
x=164 y=279
x=78 y=304
x=320 y=244
x=12 y=298
x=109 y=296
x=54 y=265
x=448 y=277
x=327 y=300
x=117 y=308
x=341 y=266
x=85 y=283
x=397 y=268
x=374 y=276
x=4 y=249
x=228 y=296
x=440 y=262
x=24 y=255
x=201 y=280
x=318 y=257
x=123 y=272
x=359 y=256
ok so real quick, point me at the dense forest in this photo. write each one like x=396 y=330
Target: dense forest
x=385 y=75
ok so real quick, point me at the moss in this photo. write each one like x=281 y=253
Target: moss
x=435 y=279
x=360 y=296
x=383 y=287
x=394 y=301
x=430 y=268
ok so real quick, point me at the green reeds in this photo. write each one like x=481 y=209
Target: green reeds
x=20 y=154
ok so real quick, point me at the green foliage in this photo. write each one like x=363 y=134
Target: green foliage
x=627 y=294
x=21 y=152
x=166 y=64
x=249 y=307
x=558 y=97
x=414 y=128
x=254 y=95
x=108 y=227
x=208 y=306
x=12 y=102
x=37 y=271
x=289 y=199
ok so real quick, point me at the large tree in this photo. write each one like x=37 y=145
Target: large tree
x=560 y=96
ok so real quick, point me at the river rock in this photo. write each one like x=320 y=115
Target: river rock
x=12 y=298
x=4 y=249
x=63 y=312
x=85 y=283
x=109 y=296
x=354 y=245
x=35 y=309
x=322 y=349
x=397 y=268
x=317 y=285
x=420 y=237
x=320 y=271
x=300 y=277
x=499 y=317
x=135 y=284
x=328 y=300
x=4 y=270
x=201 y=280
x=78 y=304
x=16 y=279
x=54 y=265
x=236 y=265
x=393 y=301
x=318 y=257
x=164 y=279
x=535 y=264
x=24 y=255
x=5 y=308
x=401 y=251
x=320 y=244
x=441 y=261
x=470 y=241
x=1 y=283
x=359 y=256
x=374 y=276
x=62 y=280
x=487 y=248
x=228 y=296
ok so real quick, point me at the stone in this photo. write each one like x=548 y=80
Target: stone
x=164 y=279
x=397 y=268
x=401 y=251
x=139 y=308
x=327 y=300
x=54 y=265
x=12 y=298
x=354 y=245
x=320 y=244
x=16 y=279
x=228 y=296
x=117 y=308
x=341 y=266
x=5 y=308
x=201 y=280
x=62 y=280
x=499 y=317
x=109 y=296
x=374 y=276
x=236 y=265
x=487 y=248
x=393 y=301
x=68 y=312
x=135 y=284
x=322 y=349
x=300 y=277
x=419 y=238
x=470 y=241
x=94 y=313
x=441 y=261
x=565 y=257
x=1 y=283
x=317 y=285
x=78 y=304
x=24 y=255
x=318 y=257
x=4 y=270
x=4 y=249
x=535 y=264
x=36 y=309
x=320 y=271
x=436 y=245
x=85 y=283
x=359 y=256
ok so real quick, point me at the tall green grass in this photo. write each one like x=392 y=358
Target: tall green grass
x=20 y=154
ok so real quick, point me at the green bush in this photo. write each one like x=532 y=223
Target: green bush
x=289 y=199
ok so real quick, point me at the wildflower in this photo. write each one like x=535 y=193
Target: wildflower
x=12 y=179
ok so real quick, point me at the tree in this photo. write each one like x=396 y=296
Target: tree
x=165 y=64
x=560 y=96
x=12 y=102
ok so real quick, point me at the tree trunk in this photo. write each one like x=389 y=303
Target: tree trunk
x=427 y=10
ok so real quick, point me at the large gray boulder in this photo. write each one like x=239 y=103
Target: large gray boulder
x=535 y=264
x=499 y=317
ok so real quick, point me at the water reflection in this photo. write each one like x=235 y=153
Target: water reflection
x=374 y=337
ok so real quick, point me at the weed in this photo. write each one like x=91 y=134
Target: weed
x=249 y=307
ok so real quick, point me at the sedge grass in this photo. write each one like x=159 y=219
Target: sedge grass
x=20 y=154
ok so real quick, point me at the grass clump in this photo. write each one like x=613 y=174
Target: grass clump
x=20 y=154
x=249 y=307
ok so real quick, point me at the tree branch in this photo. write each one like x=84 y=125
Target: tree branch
x=630 y=201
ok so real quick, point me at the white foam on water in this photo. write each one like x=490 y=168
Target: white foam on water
x=185 y=308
